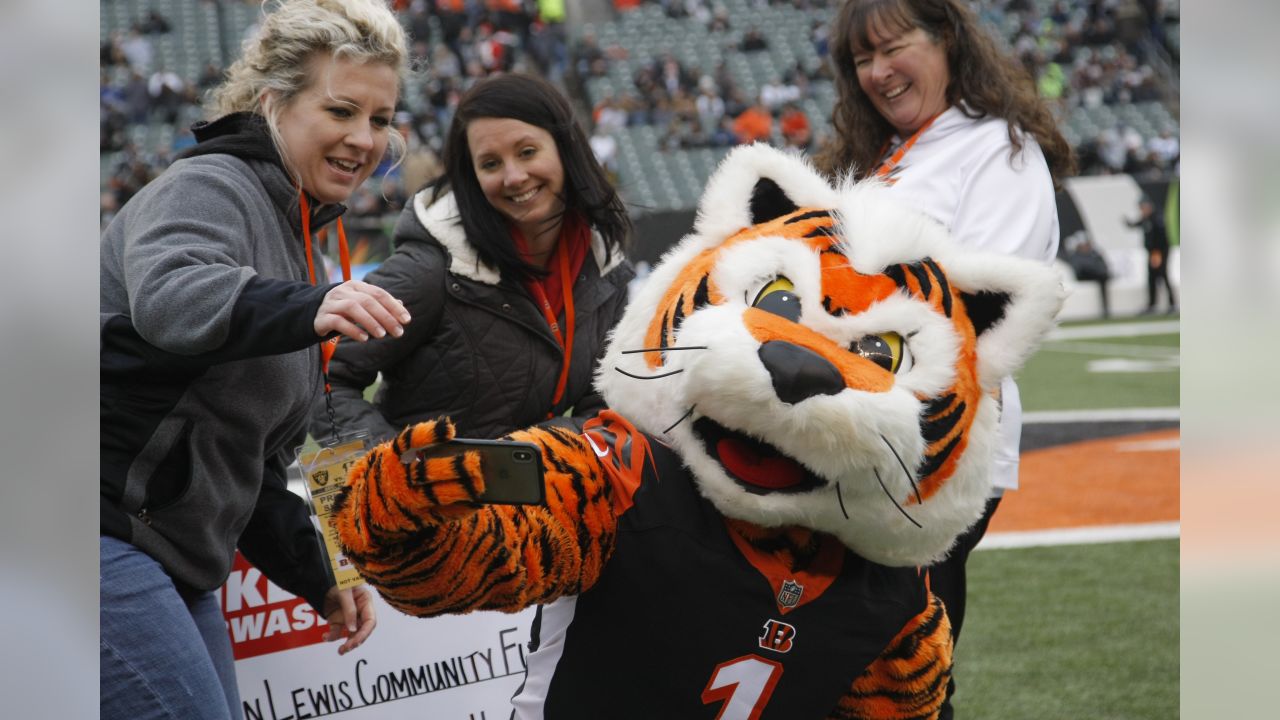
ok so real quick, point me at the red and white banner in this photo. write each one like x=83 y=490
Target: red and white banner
x=458 y=667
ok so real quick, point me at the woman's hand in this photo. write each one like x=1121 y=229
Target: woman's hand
x=357 y=310
x=350 y=615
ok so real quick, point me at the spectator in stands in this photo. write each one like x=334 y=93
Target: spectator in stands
x=604 y=146
x=154 y=23
x=453 y=20
x=660 y=110
x=684 y=106
x=588 y=58
x=137 y=51
x=211 y=354
x=1165 y=147
x=546 y=45
x=210 y=77
x=753 y=41
x=111 y=118
x=1155 y=238
x=510 y=15
x=608 y=115
x=523 y=237
x=444 y=64
x=735 y=101
x=636 y=110
x=755 y=124
x=820 y=36
x=723 y=135
x=111 y=52
x=710 y=105
x=719 y=21
x=168 y=93
x=794 y=125
x=925 y=98
x=725 y=83
x=137 y=98
x=775 y=93
x=671 y=75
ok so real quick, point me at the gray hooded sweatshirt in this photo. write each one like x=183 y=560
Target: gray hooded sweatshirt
x=210 y=365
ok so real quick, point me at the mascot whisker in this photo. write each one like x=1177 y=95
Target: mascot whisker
x=803 y=413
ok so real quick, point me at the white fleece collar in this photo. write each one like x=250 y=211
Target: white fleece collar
x=442 y=220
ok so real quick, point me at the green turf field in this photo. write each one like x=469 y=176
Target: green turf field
x=1139 y=370
x=1071 y=632
x=1079 y=632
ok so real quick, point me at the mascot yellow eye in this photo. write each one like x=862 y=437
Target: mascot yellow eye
x=887 y=350
x=779 y=298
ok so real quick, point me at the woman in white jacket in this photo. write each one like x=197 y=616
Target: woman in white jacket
x=926 y=101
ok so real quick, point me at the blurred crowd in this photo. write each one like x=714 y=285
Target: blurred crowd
x=1080 y=53
x=1083 y=54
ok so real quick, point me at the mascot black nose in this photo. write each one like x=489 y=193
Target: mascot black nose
x=799 y=373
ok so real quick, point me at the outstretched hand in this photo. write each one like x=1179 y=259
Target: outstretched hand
x=350 y=614
x=407 y=497
x=357 y=310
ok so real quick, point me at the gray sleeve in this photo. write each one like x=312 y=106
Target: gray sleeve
x=186 y=252
x=415 y=274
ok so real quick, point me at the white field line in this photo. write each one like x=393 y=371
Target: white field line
x=1164 y=327
x=1080 y=536
x=1092 y=348
x=1109 y=415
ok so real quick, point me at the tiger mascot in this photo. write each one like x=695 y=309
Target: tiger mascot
x=803 y=413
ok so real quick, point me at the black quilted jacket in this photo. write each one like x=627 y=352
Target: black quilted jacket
x=478 y=349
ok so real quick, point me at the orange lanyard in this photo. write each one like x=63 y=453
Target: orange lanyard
x=566 y=340
x=888 y=166
x=328 y=347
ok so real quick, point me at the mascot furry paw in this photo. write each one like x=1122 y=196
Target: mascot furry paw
x=803 y=414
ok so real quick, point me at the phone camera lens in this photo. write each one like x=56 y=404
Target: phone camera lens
x=522 y=456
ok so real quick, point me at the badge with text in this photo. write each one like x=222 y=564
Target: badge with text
x=324 y=470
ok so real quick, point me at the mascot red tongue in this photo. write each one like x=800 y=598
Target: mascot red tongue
x=747 y=543
x=757 y=464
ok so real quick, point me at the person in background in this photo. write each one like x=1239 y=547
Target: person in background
x=513 y=265
x=927 y=101
x=210 y=354
x=1155 y=238
x=755 y=124
x=1088 y=264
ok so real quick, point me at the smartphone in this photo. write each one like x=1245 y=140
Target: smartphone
x=512 y=469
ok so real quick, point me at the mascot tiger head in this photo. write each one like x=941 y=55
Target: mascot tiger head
x=821 y=356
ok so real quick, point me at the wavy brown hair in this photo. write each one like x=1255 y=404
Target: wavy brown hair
x=988 y=81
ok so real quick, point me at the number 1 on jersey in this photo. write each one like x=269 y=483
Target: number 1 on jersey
x=744 y=684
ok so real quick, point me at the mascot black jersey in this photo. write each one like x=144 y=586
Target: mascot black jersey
x=687 y=623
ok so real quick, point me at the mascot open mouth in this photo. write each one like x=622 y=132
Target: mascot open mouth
x=757 y=466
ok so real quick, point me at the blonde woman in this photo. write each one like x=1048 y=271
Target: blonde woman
x=210 y=357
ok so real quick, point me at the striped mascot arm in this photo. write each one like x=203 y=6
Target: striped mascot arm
x=909 y=679
x=418 y=534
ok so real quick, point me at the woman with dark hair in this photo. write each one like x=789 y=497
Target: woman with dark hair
x=926 y=101
x=513 y=266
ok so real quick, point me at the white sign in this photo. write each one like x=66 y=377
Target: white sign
x=460 y=666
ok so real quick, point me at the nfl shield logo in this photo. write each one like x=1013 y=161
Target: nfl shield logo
x=790 y=593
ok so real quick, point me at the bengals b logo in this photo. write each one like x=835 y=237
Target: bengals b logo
x=778 y=636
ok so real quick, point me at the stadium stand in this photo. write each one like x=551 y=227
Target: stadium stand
x=1109 y=66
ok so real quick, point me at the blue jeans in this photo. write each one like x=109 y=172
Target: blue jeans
x=165 y=652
